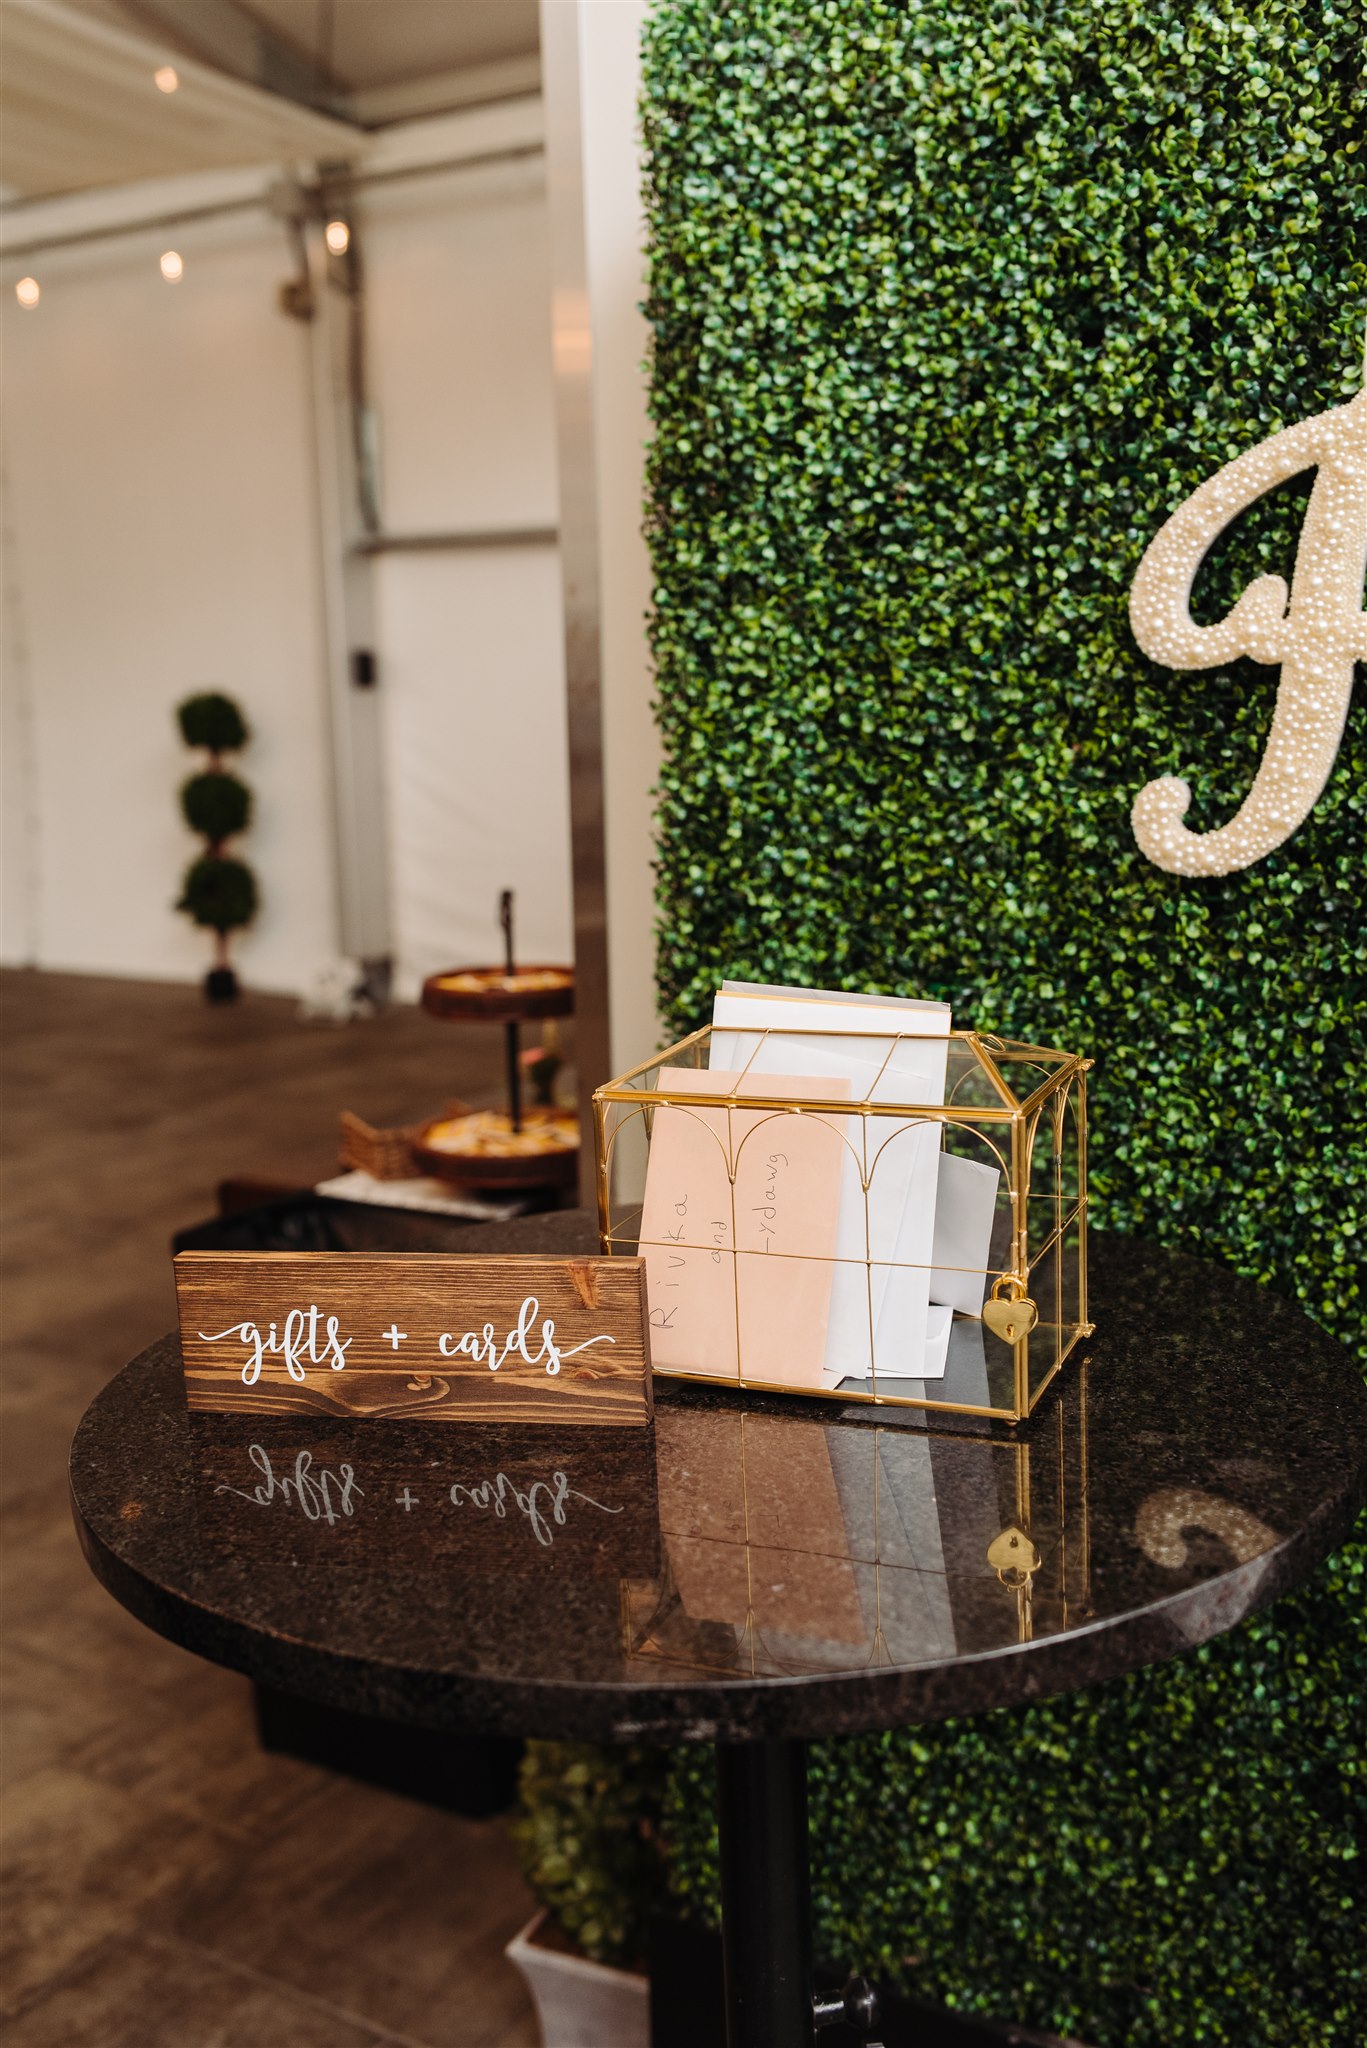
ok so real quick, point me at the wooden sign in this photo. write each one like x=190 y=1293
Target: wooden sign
x=450 y=1338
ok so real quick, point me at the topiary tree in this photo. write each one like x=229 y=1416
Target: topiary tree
x=219 y=891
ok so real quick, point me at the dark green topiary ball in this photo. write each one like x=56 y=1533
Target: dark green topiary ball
x=216 y=804
x=213 y=721
x=219 y=892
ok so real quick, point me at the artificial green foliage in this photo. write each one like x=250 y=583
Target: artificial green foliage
x=952 y=305
x=216 y=804
x=588 y=1842
x=219 y=892
x=212 y=720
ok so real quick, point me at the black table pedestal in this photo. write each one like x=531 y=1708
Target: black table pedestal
x=765 y=1893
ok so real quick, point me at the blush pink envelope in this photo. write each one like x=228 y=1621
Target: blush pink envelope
x=738 y=1228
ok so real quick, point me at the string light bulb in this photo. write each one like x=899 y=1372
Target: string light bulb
x=171 y=266
x=167 y=79
x=28 y=292
x=337 y=235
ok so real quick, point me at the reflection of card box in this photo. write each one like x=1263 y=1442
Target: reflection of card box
x=727 y=1484
x=796 y=1546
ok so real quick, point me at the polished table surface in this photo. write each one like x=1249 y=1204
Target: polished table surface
x=748 y=1566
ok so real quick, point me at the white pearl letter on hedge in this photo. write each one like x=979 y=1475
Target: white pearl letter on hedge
x=1316 y=637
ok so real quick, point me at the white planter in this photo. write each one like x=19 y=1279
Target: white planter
x=580 y=2004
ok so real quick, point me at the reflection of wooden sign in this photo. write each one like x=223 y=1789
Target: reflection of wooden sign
x=441 y=1339
x=489 y=1499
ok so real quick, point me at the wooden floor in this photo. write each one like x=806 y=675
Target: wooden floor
x=167 y=1885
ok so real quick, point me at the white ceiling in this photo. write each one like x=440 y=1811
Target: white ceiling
x=365 y=43
x=356 y=44
x=78 y=106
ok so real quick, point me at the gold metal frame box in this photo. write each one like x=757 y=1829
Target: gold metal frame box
x=1020 y=1109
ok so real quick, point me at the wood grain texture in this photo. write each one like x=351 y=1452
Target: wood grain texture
x=426 y=1337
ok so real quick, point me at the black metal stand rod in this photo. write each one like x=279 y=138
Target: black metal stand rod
x=511 y=1042
x=765 y=1893
x=514 y=1074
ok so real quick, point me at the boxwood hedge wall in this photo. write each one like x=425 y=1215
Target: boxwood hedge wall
x=953 y=301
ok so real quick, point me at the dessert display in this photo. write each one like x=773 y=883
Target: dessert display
x=499 y=994
x=516 y=1147
x=479 y=980
x=483 y=1149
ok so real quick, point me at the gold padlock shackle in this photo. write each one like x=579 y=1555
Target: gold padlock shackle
x=1008 y=1280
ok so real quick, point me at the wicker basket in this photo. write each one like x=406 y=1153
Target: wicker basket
x=385 y=1155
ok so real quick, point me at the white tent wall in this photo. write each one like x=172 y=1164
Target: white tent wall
x=471 y=639
x=473 y=653
x=18 y=823
x=162 y=510
x=458 y=323
x=615 y=242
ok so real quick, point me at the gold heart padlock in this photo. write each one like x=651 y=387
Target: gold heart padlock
x=1012 y=1556
x=1010 y=1320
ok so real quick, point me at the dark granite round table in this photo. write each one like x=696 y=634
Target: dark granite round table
x=750 y=1572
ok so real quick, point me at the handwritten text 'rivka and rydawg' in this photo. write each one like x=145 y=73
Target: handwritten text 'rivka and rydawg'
x=367 y=1334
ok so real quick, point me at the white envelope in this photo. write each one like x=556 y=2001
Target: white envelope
x=965 y=1205
x=839 y=995
x=962 y=1360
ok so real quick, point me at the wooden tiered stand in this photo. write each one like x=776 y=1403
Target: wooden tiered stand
x=508 y=995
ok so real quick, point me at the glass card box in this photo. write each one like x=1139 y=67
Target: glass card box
x=824 y=1232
